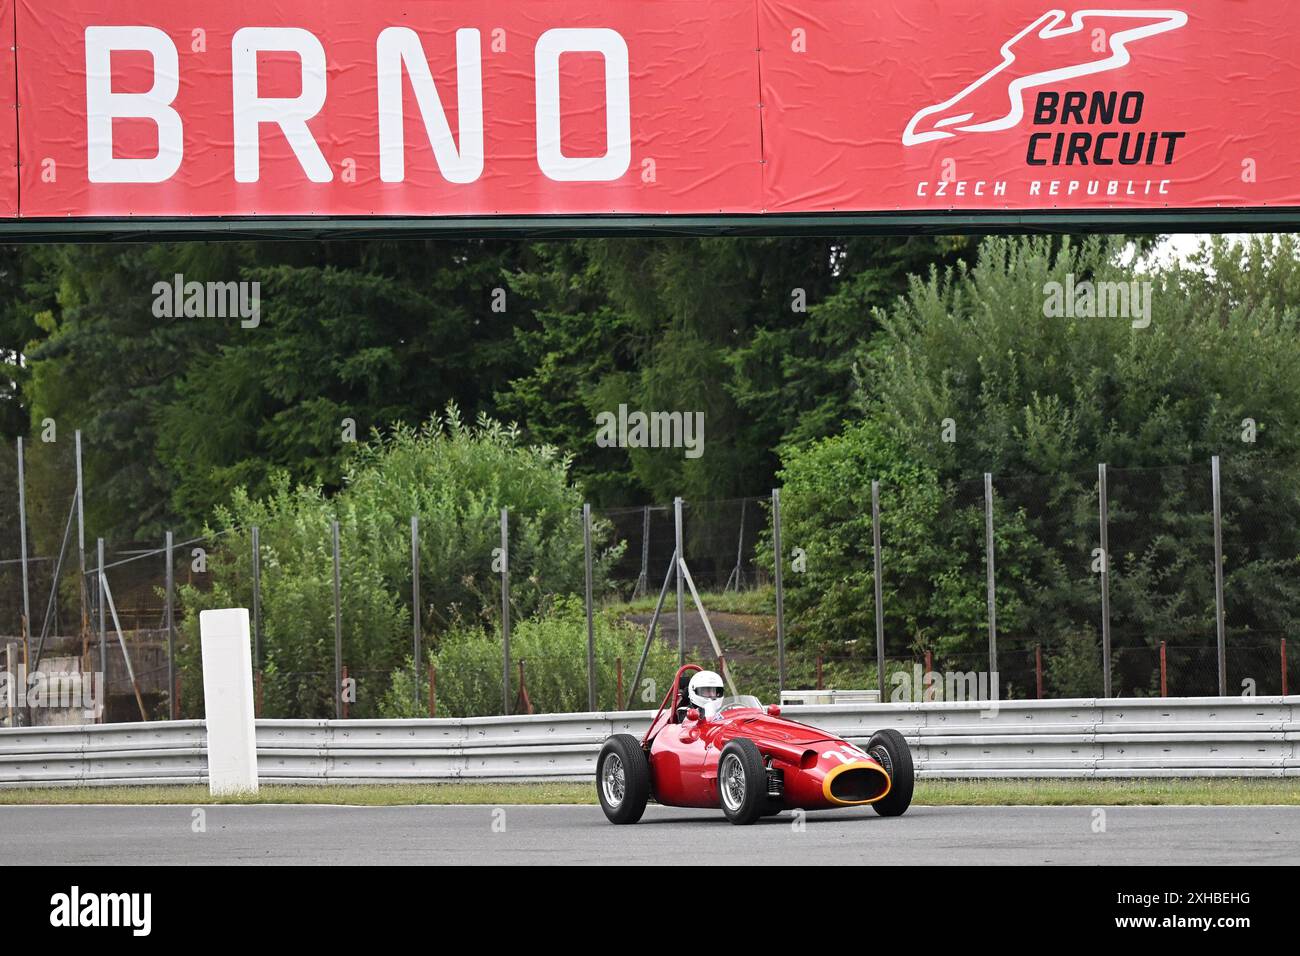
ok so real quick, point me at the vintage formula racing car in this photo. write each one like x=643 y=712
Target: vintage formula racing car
x=704 y=749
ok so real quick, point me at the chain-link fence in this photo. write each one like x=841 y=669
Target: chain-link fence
x=493 y=616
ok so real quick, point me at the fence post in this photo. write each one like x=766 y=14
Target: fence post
x=171 y=628
x=780 y=592
x=81 y=538
x=643 y=581
x=1038 y=669
x=257 y=597
x=1284 y=667
x=819 y=672
x=338 y=630
x=433 y=688
x=1164 y=687
x=1103 y=508
x=681 y=595
x=505 y=611
x=22 y=543
x=103 y=629
x=991 y=579
x=591 y=627
x=879 y=587
x=618 y=672
x=415 y=605
x=1218 y=578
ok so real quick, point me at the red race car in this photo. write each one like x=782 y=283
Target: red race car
x=709 y=750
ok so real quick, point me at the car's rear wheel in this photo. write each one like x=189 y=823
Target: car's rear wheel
x=742 y=781
x=889 y=749
x=623 y=779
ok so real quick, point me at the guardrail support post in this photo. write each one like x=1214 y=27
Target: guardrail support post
x=1218 y=578
x=780 y=591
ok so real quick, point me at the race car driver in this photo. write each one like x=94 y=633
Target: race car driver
x=705 y=693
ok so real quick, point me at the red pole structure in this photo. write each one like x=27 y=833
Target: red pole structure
x=523 y=704
x=178 y=695
x=433 y=687
x=929 y=662
x=257 y=700
x=1038 y=668
x=618 y=665
x=819 y=672
x=1164 y=686
x=345 y=696
x=1284 y=667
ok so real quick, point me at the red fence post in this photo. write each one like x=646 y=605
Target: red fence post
x=1038 y=668
x=819 y=672
x=257 y=699
x=522 y=703
x=433 y=687
x=178 y=695
x=1284 y=667
x=1164 y=687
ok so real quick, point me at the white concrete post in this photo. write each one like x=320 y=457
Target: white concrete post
x=228 y=701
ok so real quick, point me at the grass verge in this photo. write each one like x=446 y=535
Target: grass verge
x=950 y=793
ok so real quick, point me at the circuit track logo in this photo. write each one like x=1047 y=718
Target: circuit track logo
x=995 y=101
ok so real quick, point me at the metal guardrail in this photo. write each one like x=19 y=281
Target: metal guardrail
x=1157 y=737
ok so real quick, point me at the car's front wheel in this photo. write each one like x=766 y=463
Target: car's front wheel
x=623 y=779
x=889 y=749
x=742 y=781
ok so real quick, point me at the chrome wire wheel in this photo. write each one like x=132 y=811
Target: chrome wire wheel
x=613 y=781
x=731 y=782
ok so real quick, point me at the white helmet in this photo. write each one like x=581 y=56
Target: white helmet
x=704 y=691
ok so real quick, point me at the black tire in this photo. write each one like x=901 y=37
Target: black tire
x=889 y=749
x=633 y=782
x=745 y=802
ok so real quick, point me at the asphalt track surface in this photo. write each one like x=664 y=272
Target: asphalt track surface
x=515 y=835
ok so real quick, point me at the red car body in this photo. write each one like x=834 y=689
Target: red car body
x=780 y=763
x=816 y=769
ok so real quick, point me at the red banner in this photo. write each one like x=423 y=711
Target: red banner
x=8 y=115
x=1020 y=105
x=415 y=108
